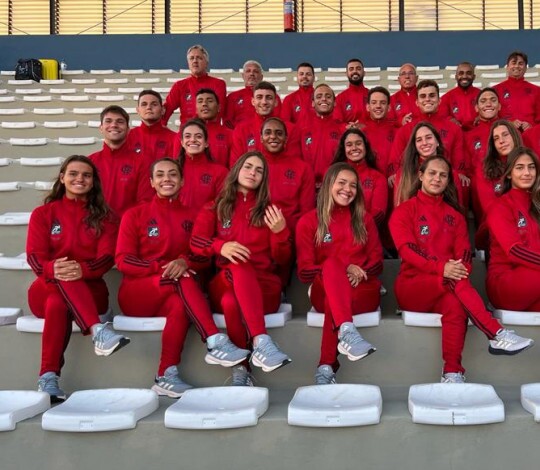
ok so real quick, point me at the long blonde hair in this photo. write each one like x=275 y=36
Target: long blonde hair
x=325 y=205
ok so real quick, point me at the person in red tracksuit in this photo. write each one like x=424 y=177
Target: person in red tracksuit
x=320 y=132
x=219 y=136
x=520 y=99
x=476 y=138
x=202 y=178
x=299 y=103
x=531 y=138
x=339 y=252
x=513 y=220
x=158 y=271
x=70 y=246
x=239 y=107
x=351 y=103
x=122 y=171
x=249 y=238
x=355 y=149
x=487 y=186
x=431 y=236
x=183 y=92
x=246 y=136
x=151 y=139
x=403 y=101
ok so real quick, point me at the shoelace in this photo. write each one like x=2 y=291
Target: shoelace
x=242 y=379
x=351 y=338
x=321 y=378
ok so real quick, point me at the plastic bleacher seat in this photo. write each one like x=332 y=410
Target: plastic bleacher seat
x=62 y=91
x=9 y=99
x=335 y=78
x=18 y=405
x=93 y=124
x=41 y=185
x=73 y=72
x=14 y=218
x=37 y=98
x=188 y=72
x=452 y=68
x=161 y=71
x=455 y=404
x=336 y=69
x=427 y=68
x=368 y=319
x=127 y=323
x=101 y=410
x=236 y=79
x=137 y=89
x=18 y=125
x=48 y=161
x=131 y=71
x=271 y=320
x=101 y=71
x=14 y=263
x=116 y=81
x=530 y=399
x=218 y=408
x=130 y=110
x=280 y=70
x=339 y=87
x=531 y=74
x=233 y=88
x=6 y=161
x=21 y=82
x=393 y=69
x=3 y=91
x=84 y=81
x=501 y=75
x=97 y=91
x=59 y=81
x=51 y=111
x=87 y=110
x=11 y=111
x=28 y=91
x=109 y=98
x=8 y=316
x=277 y=80
x=430 y=320
x=76 y=140
x=149 y=80
x=372 y=78
x=74 y=98
x=60 y=124
x=9 y=186
x=430 y=76
x=510 y=317
x=372 y=69
x=337 y=405
x=28 y=142
x=487 y=67
x=7 y=73
x=221 y=71
x=32 y=324
x=162 y=90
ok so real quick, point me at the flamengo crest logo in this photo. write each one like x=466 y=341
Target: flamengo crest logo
x=327 y=238
x=226 y=224
x=424 y=229
x=153 y=231
x=56 y=228
x=522 y=221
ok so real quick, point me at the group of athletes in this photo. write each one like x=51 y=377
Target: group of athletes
x=216 y=217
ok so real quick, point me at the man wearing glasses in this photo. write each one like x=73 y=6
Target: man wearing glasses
x=403 y=102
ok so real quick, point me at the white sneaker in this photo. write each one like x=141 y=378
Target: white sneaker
x=453 y=378
x=508 y=343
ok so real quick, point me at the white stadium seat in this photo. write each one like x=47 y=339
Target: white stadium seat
x=360 y=320
x=37 y=98
x=49 y=161
x=280 y=70
x=63 y=91
x=75 y=98
x=84 y=81
x=97 y=91
x=530 y=399
x=149 y=80
x=101 y=72
x=60 y=124
x=14 y=263
x=18 y=405
x=109 y=98
x=11 y=111
x=116 y=81
x=48 y=111
x=58 y=81
x=14 y=218
x=127 y=323
x=28 y=91
x=87 y=110
x=8 y=316
x=28 y=142
x=76 y=140
x=161 y=71
x=271 y=320
x=18 y=125
x=131 y=71
x=73 y=72
x=21 y=82
x=511 y=317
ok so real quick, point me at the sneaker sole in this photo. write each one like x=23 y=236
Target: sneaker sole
x=162 y=392
x=58 y=398
x=256 y=362
x=107 y=352
x=503 y=352
x=343 y=351
x=209 y=359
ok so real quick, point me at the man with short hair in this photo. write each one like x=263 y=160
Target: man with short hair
x=351 y=103
x=239 y=107
x=460 y=102
x=183 y=92
x=298 y=104
x=246 y=136
x=124 y=173
x=403 y=101
x=320 y=132
x=379 y=129
x=152 y=138
x=520 y=99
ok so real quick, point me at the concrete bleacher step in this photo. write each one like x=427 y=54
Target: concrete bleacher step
x=101 y=410
x=218 y=408
x=530 y=399
x=338 y=405
x=19 y=405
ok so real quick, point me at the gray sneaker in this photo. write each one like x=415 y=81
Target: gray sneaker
x=351 y=343
x=268 y=356
x=48 y=383
x=508 y=343
x=170 y=384
x=325 y=375
x=241 y=377
x=225 y=353
x=107 y=341
x=453 y=378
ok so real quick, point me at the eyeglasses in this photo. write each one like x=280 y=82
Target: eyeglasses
x=407 y=74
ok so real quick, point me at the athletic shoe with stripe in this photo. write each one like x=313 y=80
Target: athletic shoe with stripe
x=107 y=341
x=267 y=355
x=225 y=353
x=325 y=375
x=351 y=343
x=241 y=377
x=48 y=383
x=170 y=384
x=508 y=343
x=453 y=378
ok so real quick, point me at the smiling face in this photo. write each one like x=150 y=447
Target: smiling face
x=193 y=140
x=503 y=141
x=323 y=100
x=435 y=178
x=166 y=179
x=305 y=77
x=355 y=73
x=488 y=106
x=78 y=180
x=197 y=62
x=345 y=187
x=378 y=106
x=355 y=148
x=114 y=129
x=425 y=142
x=523 y=173
x=465 y=75
x=251 y=174
x=207 y=106
x=264 y=102
x=407 y=77
x=273 y=136
x=516 y=67
x=428 y=100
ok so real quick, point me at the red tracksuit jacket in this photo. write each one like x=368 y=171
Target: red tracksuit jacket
x=531 y=138
x=183 y=95
x=338 y=243
x=154 y=142
x=153 y=234
x=351 y=103
x=240 y=109
x=519 y=99
x=297 y=105
x=57 y=230
x=459 y=103
x=476 y=143
x=427 y=233
x=268 y=250
x=375 y=189
x=403 y=103
x=381 y=135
